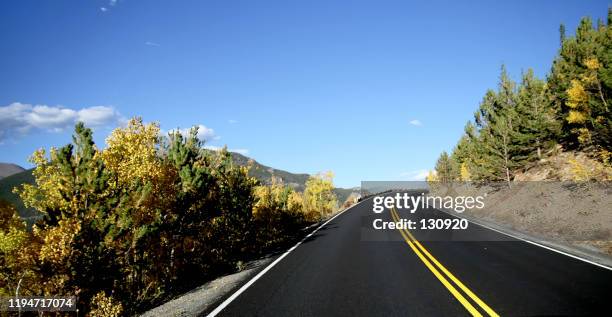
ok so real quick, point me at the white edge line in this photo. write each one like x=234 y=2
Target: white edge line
x=533 y=242
x=260 y=274
x=546 y=247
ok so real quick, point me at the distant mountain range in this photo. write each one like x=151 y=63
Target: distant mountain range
x=8 y=169
x=297 y=181
x=15 y=179
x=12 y=175
x=265 y=173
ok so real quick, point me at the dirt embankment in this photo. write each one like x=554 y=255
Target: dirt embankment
x=564 y=199
x=578 y=214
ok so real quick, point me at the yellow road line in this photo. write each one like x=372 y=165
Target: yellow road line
x=440 y=277
x=462 y=286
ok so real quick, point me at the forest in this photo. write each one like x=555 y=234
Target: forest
x=146 y=218
x=519 y=125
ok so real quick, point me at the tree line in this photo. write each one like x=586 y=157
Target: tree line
x=518 y=124
x=144 y=219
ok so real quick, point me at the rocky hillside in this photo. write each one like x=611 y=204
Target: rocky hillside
x=566 y=166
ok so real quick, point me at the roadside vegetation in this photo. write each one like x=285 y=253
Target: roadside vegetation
x=520 y=125
x=148 y=217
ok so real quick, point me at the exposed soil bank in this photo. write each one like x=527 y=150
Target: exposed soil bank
x=577 y=214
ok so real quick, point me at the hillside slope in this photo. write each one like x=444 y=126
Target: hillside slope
x=297 y=181
x=265 y=173
x=8 y=169
x=262 y=172
x=6 y=192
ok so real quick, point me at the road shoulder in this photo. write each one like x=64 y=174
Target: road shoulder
x=208 y=296
x=584 y=254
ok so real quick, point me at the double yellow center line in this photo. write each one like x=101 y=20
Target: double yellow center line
x=443 y=274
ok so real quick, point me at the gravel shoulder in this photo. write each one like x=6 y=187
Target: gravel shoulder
x=203 y=298
x=206 y=297
x=566 y=216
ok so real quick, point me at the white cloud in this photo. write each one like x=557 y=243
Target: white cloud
x=415 y=122
x=53 y=118
x=98 y=116
x=110 y=5
x=204 y=133
x=20 y=118
x=149 y=43
x=232 y=121
x=418 y=175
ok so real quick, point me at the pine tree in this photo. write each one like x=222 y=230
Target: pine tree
x=446 y=169
x=537 y=128
x=497 y=123
x=580 y=87
x=561 y=34
x=515 y=125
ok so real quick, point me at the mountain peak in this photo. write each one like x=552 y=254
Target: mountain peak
x=8 y=169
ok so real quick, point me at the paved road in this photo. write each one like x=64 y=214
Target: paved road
x=348 y=269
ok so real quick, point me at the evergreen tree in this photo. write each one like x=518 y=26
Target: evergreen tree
x=446 y=169
x=518 y=124
x=580 y=87
x=561 y=34
x=498 y=123
x=537 y=126
x=468 y=154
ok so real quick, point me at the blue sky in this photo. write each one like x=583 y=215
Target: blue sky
x=373 y=90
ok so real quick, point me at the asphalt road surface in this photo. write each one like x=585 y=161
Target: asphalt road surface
x=347 y=268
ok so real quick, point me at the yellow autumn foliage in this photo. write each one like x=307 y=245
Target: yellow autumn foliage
x=431 y=176
x=584 y=135
x=57 y=246
x=105 y=306
x=577 y=95
x=295 y=202
x=132 y=152
x=576 y=117
x=465 y=173
x=276 y=197
x=319 y=198
x=147 y=215
x=48 y=184
x=592 y=63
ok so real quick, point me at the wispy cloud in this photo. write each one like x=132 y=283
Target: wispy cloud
x=18 y=119
x=417 y=175
x=204 y=133
x=109 y=5
x=149 y=43
x=207 y=134
x=415 y=122
x=232 y=121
